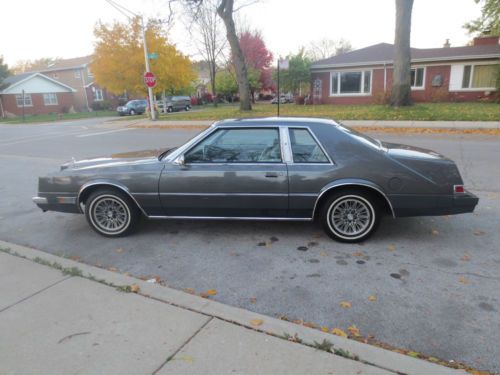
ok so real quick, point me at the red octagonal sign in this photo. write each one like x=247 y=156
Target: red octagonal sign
x=149 y=79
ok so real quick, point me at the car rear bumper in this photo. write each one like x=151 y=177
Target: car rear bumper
x=425 y=205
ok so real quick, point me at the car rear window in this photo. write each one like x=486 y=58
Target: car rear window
x=305 y=149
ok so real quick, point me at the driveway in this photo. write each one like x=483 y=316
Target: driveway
x=427 y=284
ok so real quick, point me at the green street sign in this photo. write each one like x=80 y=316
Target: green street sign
x=152 y=55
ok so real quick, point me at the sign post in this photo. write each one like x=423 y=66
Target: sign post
x=283 y=64
x=148 y=72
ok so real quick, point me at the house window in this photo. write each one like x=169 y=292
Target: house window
x=351 y=83
x=417 y=78
x=27 y=100
x=77 y=74
x=98 y=95
x=479 y=76
x=50 y=99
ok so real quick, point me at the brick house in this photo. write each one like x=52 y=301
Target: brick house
x=34 y=93
x=76 y=73
x=364 y=76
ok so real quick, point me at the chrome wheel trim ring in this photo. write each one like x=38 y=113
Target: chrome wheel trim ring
x=109 y=214
x=345 y=211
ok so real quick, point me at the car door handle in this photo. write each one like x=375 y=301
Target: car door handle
x=271 y=174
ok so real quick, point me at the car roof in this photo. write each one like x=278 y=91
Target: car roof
x=273 y=121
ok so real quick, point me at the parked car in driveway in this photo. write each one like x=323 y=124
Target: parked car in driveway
x=262 y=169
x=133 y=107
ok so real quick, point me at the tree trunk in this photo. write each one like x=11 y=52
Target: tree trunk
x=225 y=11
x=213 y=72
x=401 y=77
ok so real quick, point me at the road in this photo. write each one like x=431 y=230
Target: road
x=435 y=279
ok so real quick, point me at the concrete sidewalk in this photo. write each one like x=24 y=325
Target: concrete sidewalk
x=458 y=125
x=76 y=321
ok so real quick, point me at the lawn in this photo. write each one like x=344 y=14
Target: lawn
x=57 y=117
x=417 y=112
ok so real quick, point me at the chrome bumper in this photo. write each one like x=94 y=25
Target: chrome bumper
x=40 y=200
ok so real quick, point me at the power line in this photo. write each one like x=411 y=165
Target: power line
x=121 y=9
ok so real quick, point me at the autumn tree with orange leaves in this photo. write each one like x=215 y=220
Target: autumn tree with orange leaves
x=118 y=62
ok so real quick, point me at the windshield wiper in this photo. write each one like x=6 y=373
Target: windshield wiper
x=166 y=152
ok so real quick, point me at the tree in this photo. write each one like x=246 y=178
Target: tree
x=205 y=29
x=258 y=60
x=226 y=83
x=4 y=70
x=43 y=63
x=118 y=62
x=401 y=76
x=325 y=48
x=225 y=11
x=489 y=21
x=297 y=77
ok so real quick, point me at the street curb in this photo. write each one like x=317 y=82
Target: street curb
x=369 y=354
x=375 y=124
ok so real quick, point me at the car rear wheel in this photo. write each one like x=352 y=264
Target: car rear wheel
x=350 y=215
x=170 y=109
x=132 y=112
x=111 y=213
x=188 y=108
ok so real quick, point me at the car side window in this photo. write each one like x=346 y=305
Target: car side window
x=238 y=146
x=305 y=149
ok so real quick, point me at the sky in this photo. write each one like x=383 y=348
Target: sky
x=32 y=29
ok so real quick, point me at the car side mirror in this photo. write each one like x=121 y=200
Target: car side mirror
x=180 y=161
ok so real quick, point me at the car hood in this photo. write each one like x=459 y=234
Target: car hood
x=119 y=159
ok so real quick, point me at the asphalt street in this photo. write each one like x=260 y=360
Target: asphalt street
x=429 y=284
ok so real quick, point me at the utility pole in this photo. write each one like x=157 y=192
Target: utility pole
x=279 y=98
x=148 y=69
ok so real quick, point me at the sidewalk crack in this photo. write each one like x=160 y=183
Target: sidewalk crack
x=182 y=346
x=34 y=294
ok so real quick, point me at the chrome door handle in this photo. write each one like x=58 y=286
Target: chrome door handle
x=271 y=174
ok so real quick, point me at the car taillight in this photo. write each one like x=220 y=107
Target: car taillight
x=458 y=189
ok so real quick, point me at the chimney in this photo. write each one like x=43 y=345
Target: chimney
x=485 y=40
x=447 y=44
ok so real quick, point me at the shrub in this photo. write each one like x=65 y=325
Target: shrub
x=101 y=105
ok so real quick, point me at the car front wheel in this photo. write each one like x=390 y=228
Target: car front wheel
x=132 y=112
x=111 y=213
x=350 y=216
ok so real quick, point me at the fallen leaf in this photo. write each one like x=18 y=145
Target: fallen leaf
x=325 y=329
x=345 y=304
x=339 y=332
x=211 y=292
x=134 y=288
x=189 y=290
x=465 y=257
x=413 y=354
x=391 y=247
x=463 y=280
x=186 y=358
x=372 y=298
x=435 y=232
x=76 y=258
x=253 y=300
x=112 y=269
x=256 y=322
x=119 y=250
x=358 y=254
x=479 y=232
x=354 y=330
x=309 y=325
x=323 y=254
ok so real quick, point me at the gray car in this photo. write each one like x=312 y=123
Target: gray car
x=262 y=169
x=177 y=103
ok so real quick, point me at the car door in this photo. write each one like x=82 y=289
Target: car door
x=232 y=172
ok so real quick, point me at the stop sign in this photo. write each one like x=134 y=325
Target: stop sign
x=149 y=79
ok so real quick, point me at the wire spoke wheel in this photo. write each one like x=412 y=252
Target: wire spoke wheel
x=109 y=214
x=350 y=217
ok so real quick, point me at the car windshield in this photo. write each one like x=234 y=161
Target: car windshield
x=360 y=136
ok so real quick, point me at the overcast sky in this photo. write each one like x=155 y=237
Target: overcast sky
x=32 y=29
